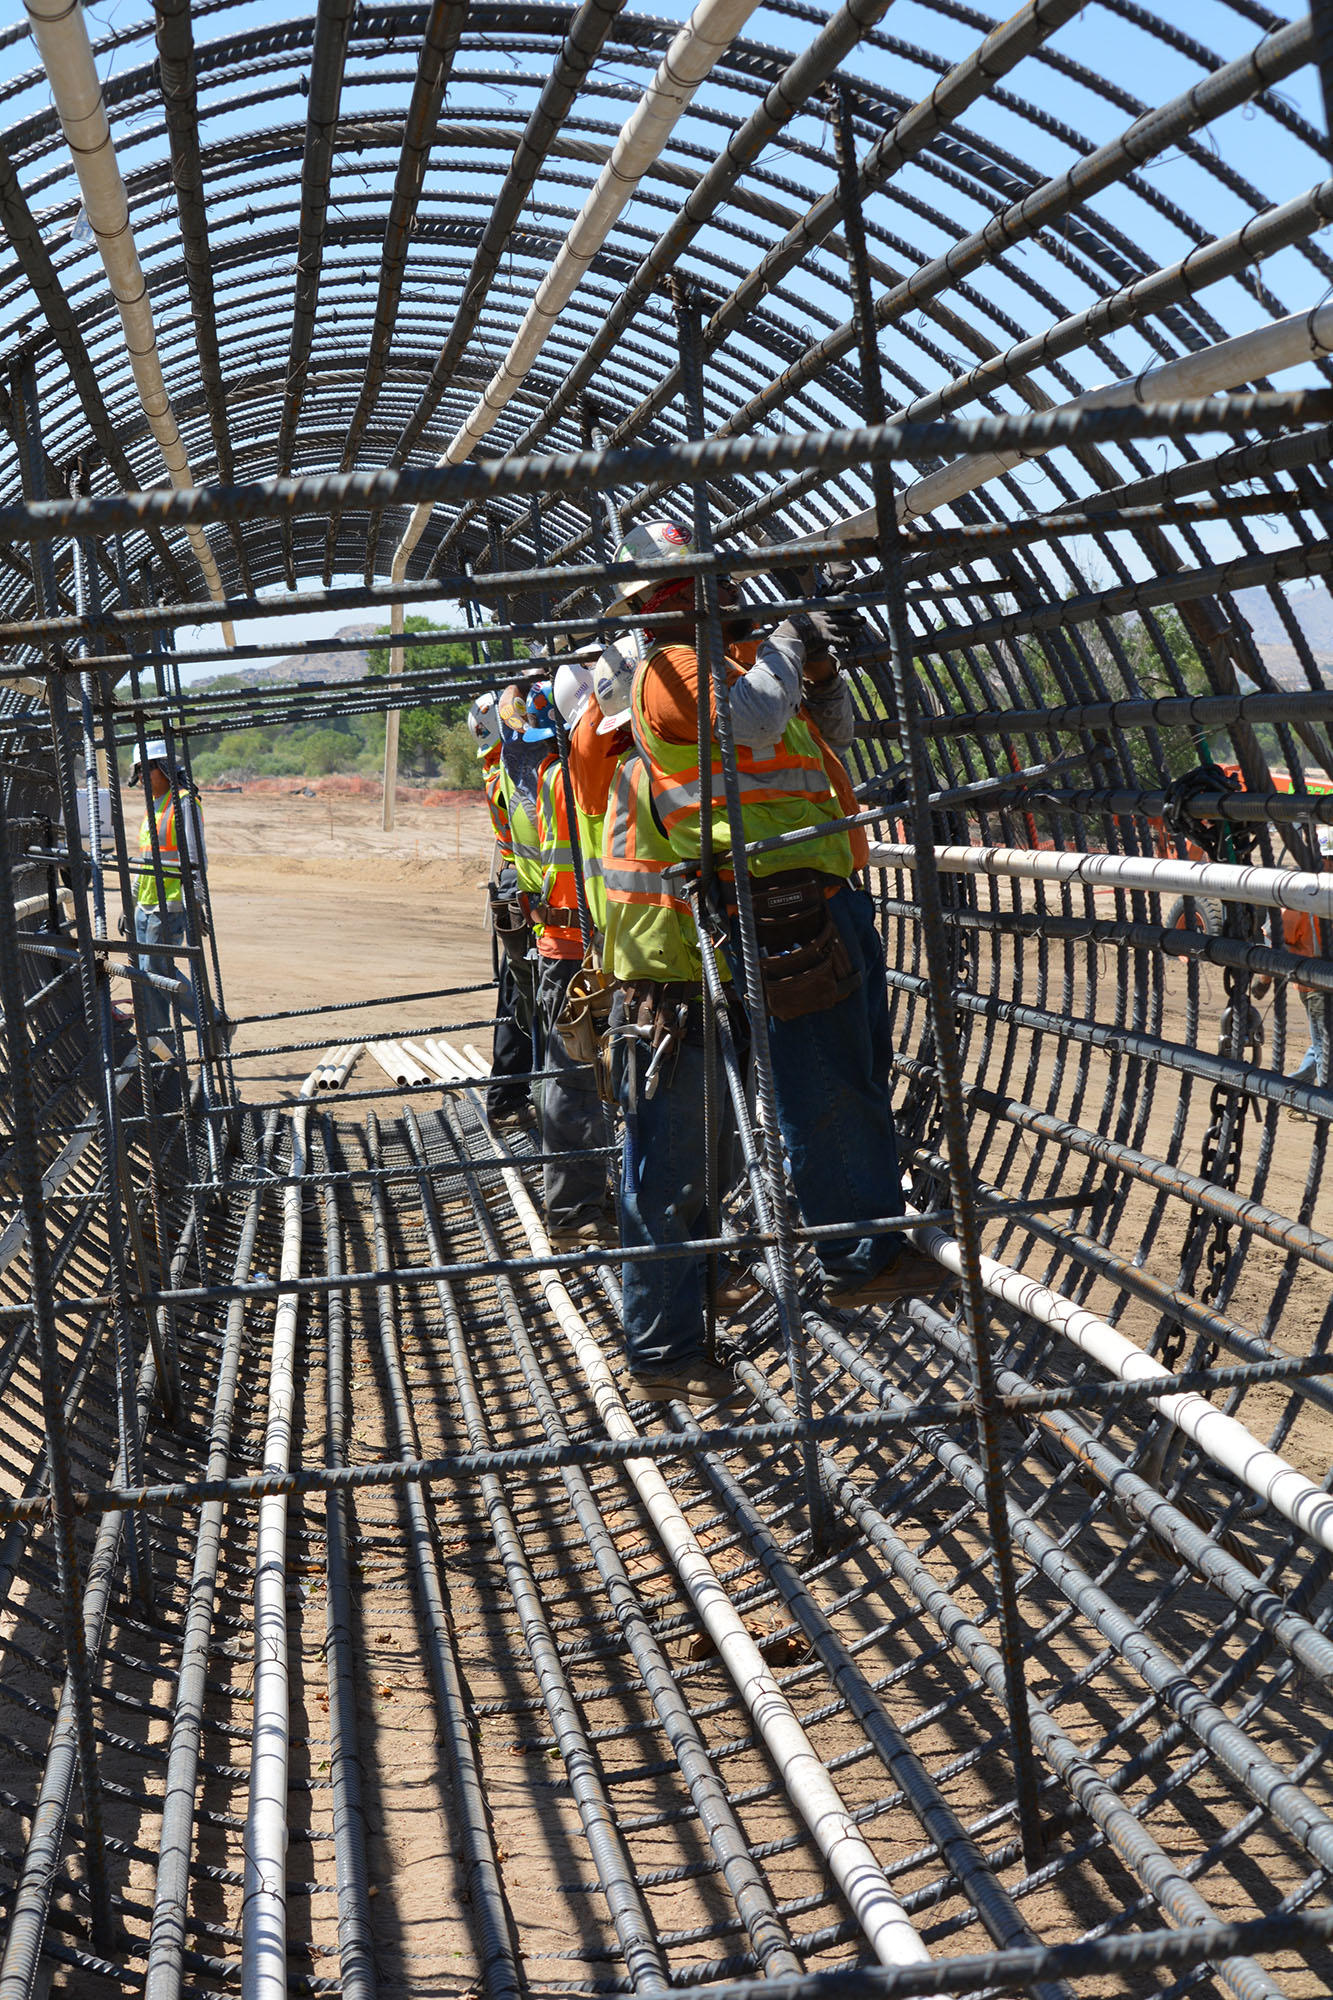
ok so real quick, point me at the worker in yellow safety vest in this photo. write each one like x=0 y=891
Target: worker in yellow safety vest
x=821 y=961
x=523 y=755
x=573 y=1128
x=511 y=1046
x=171 y=827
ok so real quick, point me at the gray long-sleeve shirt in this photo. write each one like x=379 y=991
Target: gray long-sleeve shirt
x=768 y=694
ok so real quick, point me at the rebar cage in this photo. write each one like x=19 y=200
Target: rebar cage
x=358 y=1636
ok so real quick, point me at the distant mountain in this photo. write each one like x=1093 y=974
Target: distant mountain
x=1313 y=610
x=312 y=665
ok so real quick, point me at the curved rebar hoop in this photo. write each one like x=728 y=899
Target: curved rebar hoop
x=980 y=1651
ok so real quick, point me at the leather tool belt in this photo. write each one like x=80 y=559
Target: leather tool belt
x=584 y=1021
x=661 y=1014
x=554 y=917
x=805 y=963
x=510 y=922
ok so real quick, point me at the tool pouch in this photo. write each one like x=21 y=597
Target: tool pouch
x=509 y=921
x=584 y=1022
x=662 y=1017
x=805 y=963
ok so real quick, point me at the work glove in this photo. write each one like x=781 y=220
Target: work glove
x=121 y=925
x=844 y=629
x=806 y=627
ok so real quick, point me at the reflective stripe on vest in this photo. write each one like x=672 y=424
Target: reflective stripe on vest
x=649 y=929
x=559 y=890
x=146 y=892
x=492 y=779
x=524 y=840
x=782 y=789
x=591 y=827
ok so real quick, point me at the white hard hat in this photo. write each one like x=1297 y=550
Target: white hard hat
x=612 y=680
x=649 y=541
x=484 y=723
x=155 y=751
x=572 y=689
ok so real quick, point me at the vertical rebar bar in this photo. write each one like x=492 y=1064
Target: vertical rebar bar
x=28 y=1172
x=948 y=1055
x=712 y=672
x=96 y=1008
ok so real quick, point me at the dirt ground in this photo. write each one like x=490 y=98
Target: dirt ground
x=311 y=898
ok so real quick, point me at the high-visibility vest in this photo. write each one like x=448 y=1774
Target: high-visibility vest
x=524 y=838
x=146 y=892
x=559 y=885
x=650 y=931
x=492 y=778
x=591 y=826
x=782 y=788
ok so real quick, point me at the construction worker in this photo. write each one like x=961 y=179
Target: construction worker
x=1300 y=936
x=511 y=1042
x=159 y=909
x=523 y=756
x=574 y=1184
x=822 y=963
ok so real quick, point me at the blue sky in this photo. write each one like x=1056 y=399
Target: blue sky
x=501 y=84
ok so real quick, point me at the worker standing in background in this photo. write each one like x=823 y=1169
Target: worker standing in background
x=523 y=756
x=570 y=1113
x=511 y=1045
x=821 y=961
x=1301 y=937
x=160 y=916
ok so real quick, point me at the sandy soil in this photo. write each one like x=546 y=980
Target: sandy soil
x=311 y=899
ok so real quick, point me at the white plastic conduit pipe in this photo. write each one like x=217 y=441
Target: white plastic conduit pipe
x=851 y=1861
x=1266 y=888
x=264 y=1911
x=1307 y=1506
x=701 y=43
x=1265 y=350
x=67 y=57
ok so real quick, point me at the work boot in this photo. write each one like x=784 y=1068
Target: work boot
x=594 y=1234
x=508 y=1121
x=735 y=1288
x=909 y=1275
x=700 y=1383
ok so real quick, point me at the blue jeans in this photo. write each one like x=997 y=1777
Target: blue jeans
x=661 y=1202
x=153 y=925
x=511 y=1048
x=1313 y=1066
x=831 y=1072
x=569 y=1109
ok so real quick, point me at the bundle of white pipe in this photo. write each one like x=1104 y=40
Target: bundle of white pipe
x=350 y=1058
x=264 y=1910
x=1263 y=351
x=1268 y=888
x=394 y=1060
x=851 y=1861
x=701 y=43
x=326 y=1067
x=421 y=1053
x=67 y=57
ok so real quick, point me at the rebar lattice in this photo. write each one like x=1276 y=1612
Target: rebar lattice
x=322 y=1519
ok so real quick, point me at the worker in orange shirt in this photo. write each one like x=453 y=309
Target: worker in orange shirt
x=823 y=968
x=573 y=1129
x=1301 y=937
